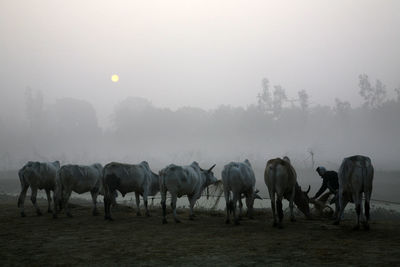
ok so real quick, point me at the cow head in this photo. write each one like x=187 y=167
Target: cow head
x=155 y=184
x=302 y=200
x=210 y=178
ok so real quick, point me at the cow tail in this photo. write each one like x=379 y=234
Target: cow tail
x=273 y=176
x=365 y=177
x=106 y=188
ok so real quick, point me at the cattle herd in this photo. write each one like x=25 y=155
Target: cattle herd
x=238 y=179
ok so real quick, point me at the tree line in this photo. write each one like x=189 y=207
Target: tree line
x=276 y=124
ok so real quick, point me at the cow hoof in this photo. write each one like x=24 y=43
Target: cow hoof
x=356 y=227
x=108 y=218
x=274 y=224
x=177 y=221
x=237 y=222
x=95 y=213
x=164 y=221
x=23 y=214
x=69 y=215
x=148 y=214
x=280 y=226
x=49 y=211
x=227 y=221
x=39 y=213
x=191 y=217
x=293 y=219
x=336 y=222
x=138 y=213
x=251 y=217
x=366 y=226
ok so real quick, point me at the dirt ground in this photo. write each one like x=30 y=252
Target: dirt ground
x=206 y=241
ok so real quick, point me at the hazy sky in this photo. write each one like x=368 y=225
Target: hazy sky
x=194 y=53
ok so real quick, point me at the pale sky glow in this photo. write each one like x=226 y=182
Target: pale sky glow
x=195 y=53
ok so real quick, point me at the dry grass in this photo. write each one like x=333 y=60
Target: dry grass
x=87 y=240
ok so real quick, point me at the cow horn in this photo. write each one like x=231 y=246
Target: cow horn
x=308 y=190
x=212 y=167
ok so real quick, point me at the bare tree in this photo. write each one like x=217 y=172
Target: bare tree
x=303 y=99
x=264 y=98
x=374 y=96
x=34 y=107
x=341 y=107
x=279 y=98
x=397 y=90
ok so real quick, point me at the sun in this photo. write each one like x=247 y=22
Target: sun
x=115 y=78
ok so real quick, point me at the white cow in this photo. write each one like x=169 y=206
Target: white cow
x=188 y=180
x=128 y=178
x=80 y=179
x=37 y=175
x=355 y=178
x=280 y=178
x=238 y=178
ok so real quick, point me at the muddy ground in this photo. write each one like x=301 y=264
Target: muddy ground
x=206 y=241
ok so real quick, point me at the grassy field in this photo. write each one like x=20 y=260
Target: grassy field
x=207 y=241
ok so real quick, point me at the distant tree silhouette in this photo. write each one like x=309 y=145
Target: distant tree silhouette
x=303 y=99
x=264 y=98
x=374 y=96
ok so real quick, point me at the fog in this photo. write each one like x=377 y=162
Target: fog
x=199 y=80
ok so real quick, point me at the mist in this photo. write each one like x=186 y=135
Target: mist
x=212 y=82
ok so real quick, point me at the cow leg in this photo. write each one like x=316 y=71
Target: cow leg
x=105 y=200
x=33 y=199
x=21 y=199
x=192 y=201
x=367 y=207
x=137 y=195
x=173 y=205
x=94 y=194
x=145 y=200
x=66 y=196
x=107 y=206
x=163 y=205
x=342 y=205
x=235 y=199
x=228 y=207
x=336 y=199
x=55 y=205
x=48 y=201
x=357 y=203
x=57 y=201
x=292 y=218
x=272 y=196
x=279 y=210
x=249 y=204
x=240 y=208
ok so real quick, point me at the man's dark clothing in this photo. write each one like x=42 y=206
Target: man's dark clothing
x=330 y=181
